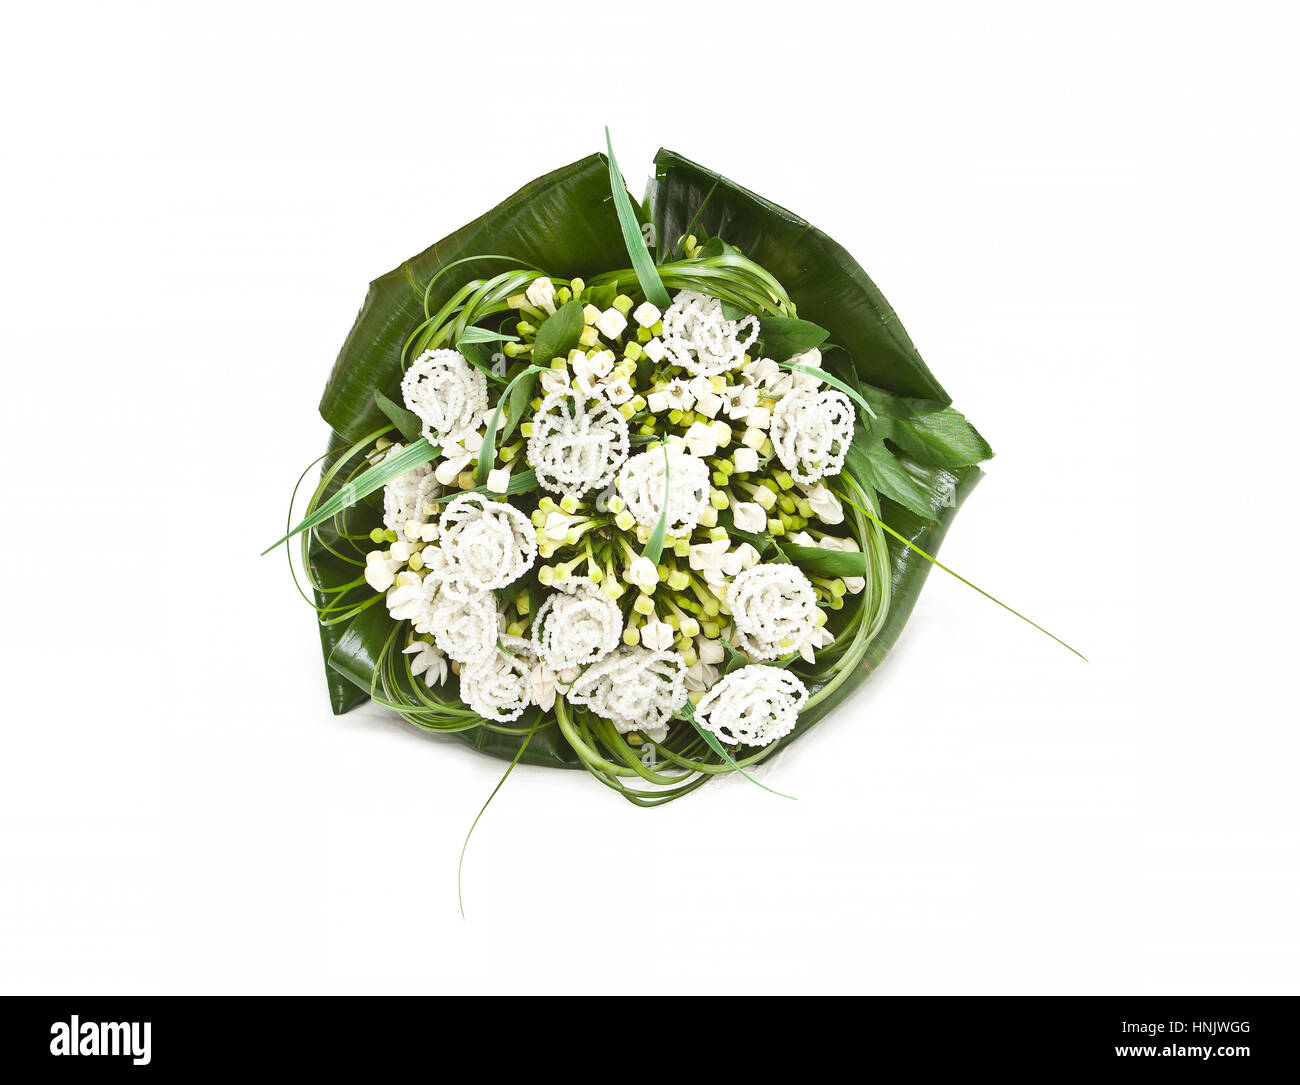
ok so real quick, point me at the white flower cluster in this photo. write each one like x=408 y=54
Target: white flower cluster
x=576 y=625
x=428 y=661
x=811 y=433
x=774 y=608
x=498 y=688
x=754 y=706
x=578 y=442
x=635 y=688
x=407 y=497
x=447 y=393
x=485 y=543
x=642 y=484
x=700 y=339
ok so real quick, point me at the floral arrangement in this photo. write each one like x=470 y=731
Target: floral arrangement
x=651 y=521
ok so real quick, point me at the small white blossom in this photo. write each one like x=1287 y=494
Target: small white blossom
x=410 y=599
x=710 y=651
x=824 y=503
x=542 y=686
x=655 y=350
x=541 y=293
x=745 y=459
x=748 y=516
x=701 y=440
x=643 y=572
x=701 y=676
x=657 y=636
x=447 y=393
x=646 y=315
x=611 y=323
x=428 y=661
x=381 y=570
x=753 y=706
x=774 y=608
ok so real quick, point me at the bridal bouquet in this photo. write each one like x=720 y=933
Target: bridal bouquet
x=654 y=521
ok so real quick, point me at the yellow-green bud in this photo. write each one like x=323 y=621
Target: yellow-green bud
x=623 y=304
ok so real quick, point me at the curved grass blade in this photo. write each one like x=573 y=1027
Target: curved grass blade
x=712 y=741
x=952 y=572
x=487 y=452
x=460 y=866
x=646 y=272
x=834 y=382
x=654 y=546
x=367 y=482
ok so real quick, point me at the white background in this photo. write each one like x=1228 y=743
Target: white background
x=1086 y=216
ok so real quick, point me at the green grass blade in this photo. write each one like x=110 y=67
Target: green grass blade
x=642 y=263
x=367 y=482
x=834 y=382
x=487 y=452
x=654 y=546
x=712 y=740
x=951 y=572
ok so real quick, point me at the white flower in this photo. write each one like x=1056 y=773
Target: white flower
x=710 y=651
x=821 y=637
x=747 y=555
x=700 y=339
x=406 y=496
x=611 y=323
x=498 y=480
x=555 y=381
x=411 y=600
x=646 y=315
x=487 y=544
x=541 y=293
x=642 y=484
x=657 y=635
x=635 y=688
x=811 y=433
x=381 y=570
x=824 y=503
x=578 y=442
x=754 y=706
x=745 y=459
x=576 y=625
x=774 y=608
x=655 y=350
x=739 y=399
x=643 y=572
x=701 y=676
x=588 y=370
x=428 y=661
x=498 y=687
x=447 y=393
x=701 y=439
x=542 y=686
x=748 y=516
x=676 y=395
x=463 y=621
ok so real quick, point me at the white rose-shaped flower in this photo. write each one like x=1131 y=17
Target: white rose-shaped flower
x=753 y=706
x=774 y=608
x=447 y=394
x=578 y=442
x=642 y=484
x=811 y=433
x=636 y=689
x=406 y=497
x=700 y=339
x=497 y=688
x=487 y=544
x=576 y=625
x=463 y=621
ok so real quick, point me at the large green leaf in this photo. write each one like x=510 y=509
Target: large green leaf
x=563 y=223
x=828 y=285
